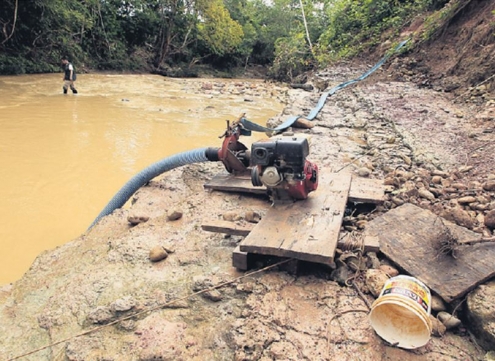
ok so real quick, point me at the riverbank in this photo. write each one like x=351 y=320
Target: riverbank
x=104 y=285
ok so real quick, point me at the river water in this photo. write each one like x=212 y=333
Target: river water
x=63 y=157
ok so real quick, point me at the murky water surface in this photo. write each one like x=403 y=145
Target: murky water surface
x=63 y=157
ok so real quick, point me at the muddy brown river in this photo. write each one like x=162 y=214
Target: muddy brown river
x=63 y=157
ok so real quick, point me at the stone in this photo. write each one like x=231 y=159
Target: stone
x=157 y=254
x=364 y=172
x=137 y=219
x=480 y=315
x=466 y=200
x=389 y=270
x=252 y=217
x=231 y=216
x=397 y=201
x=450 y=321
x=436 y=179
x=100 y=315
x=459 y=216
x=213 y=295
x=489 y=185
x=490 y=219
x=375 y=280
x=437 y=304
x=123 y=304
x=174 y=215
x=425 y=193
x=438 y=329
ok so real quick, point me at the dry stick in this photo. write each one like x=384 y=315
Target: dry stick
x=150 y=309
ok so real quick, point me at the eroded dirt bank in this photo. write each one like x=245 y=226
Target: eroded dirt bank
x=374 y=129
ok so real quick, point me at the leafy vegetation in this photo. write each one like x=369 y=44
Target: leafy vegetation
x=290 y=36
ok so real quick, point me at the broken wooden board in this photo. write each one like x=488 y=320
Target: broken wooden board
x=408 y=236
x=306 y=230
x=362 y=190
x=227 y=227
x=368 y=244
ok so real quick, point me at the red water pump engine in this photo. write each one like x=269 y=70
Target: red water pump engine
x=280 y=165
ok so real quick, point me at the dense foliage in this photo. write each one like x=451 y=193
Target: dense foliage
x=289 y=35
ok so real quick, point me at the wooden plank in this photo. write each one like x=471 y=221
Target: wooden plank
x=307 y=230
x=229 y=183
x=241 y=260
x=362 y=190
x=407 y=236
x=227 y=227
x=366 y=190
x=369 y=244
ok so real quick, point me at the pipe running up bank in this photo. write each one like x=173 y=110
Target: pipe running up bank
x=211 y=154
x=178 y=160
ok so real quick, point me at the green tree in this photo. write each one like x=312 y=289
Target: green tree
x=218 y=32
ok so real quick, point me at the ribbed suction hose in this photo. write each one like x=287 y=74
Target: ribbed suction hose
x=193 y=156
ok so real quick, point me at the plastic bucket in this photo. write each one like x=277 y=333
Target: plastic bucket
x=401 y=313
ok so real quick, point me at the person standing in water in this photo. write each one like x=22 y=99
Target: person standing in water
x=69 y=76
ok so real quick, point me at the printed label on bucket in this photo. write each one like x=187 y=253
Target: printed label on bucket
x=409 y=288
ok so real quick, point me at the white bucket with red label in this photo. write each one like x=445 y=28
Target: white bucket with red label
x=401 y=314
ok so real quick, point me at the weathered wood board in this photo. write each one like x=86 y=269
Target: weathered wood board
x=407 y=236
x=227 y=227
x=368 y=244
x=363 y=190
x=306 y=230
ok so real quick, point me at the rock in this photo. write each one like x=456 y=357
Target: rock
x=231 y=216
x=459 y=216
x=213 y=295
x=174 y=215
x=157 y=254
x=437 y=304
x=123 y=304
x=466 y=200
x=450 y=321
x=389 y=270
x=424 y=193
x=100 y=315
x=436 y=179
x=364 y=172
x=303 y=123
x=438 y=329
x=489 y=185
x=375 y=280
x=490 y=356
x=465 y=169
x=135 y=219
x=490 y=219
x=480 y=314
x=252 y=217
x=127 y=325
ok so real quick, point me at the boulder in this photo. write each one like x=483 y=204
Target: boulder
x=480 y=314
